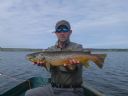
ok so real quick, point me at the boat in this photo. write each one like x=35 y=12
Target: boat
x=34 y=82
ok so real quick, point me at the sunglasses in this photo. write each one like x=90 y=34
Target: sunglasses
x=59 y=30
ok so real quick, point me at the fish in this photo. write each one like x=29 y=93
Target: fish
x=59 y=58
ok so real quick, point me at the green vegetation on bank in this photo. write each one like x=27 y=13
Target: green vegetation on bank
x=19 y=49
x=30 y=49
x=116 y=49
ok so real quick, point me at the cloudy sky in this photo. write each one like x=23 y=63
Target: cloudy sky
x=95 y=23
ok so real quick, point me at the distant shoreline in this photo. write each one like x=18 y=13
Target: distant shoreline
x=19 y=49
x=30 y=49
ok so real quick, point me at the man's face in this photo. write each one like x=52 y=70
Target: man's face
x=62 y=36
x=63 y=33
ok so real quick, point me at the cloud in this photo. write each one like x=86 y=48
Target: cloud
x=30 y=23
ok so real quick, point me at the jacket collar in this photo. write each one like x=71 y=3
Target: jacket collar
x=65 y=44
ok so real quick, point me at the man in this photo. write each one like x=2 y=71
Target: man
x=65 y=80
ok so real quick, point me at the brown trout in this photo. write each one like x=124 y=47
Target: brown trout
x=59 y=58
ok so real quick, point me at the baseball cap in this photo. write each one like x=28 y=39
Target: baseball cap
x=63 y=22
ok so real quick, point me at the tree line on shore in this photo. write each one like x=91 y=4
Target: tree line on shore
x=32 y=49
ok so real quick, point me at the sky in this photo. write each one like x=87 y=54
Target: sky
x=95 y=23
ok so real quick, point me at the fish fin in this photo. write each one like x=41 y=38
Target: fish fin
x=86 y=65
x=47 y=66
x=98 y=59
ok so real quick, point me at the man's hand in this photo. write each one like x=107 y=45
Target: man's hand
x=73 y=61
x=71 y=64
x=40 y=63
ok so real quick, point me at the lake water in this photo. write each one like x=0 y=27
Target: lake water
x=112 y=80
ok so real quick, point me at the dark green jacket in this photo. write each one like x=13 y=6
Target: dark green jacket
x=61 y=75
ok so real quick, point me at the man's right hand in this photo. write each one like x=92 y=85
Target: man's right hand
x=40 y=63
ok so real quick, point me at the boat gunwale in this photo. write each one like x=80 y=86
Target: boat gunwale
x=30 y=83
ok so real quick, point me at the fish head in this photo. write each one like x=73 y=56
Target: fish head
x=30 y=57
x=40 y=57
x=35 y=57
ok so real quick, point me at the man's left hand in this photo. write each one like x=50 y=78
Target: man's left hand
x=71 y=64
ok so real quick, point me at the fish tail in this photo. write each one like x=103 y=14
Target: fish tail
x=47 y=66
x=98 y=59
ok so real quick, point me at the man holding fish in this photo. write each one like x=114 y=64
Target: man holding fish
x=64 y=60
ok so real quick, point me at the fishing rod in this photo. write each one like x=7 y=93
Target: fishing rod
x=16 y=79
x=13 y=78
